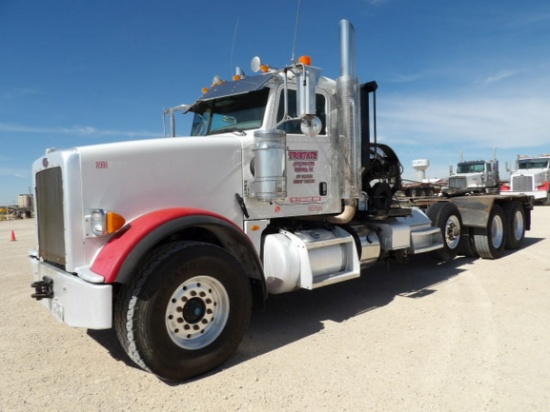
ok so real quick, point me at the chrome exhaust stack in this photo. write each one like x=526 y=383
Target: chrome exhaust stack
x=349 y=125
x=349 y=114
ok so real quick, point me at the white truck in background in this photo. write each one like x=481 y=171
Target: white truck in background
x=474 y=176
x=174 y=241
x=532 y=177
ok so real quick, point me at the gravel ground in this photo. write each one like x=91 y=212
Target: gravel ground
x=472 y=335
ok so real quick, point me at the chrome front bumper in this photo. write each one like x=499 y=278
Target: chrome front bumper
x=70 y=299
x=537 y=194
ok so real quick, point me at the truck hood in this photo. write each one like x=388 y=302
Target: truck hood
x=133 y=178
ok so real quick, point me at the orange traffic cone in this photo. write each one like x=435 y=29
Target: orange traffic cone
x=13 y=239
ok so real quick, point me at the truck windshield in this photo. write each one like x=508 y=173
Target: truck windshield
x=470 y=168
x=230 y=113
x=533 y=164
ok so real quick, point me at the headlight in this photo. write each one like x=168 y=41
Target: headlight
x=103 y=222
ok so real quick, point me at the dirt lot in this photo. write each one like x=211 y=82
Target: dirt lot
x=473 y=335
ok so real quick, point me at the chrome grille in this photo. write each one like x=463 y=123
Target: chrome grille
x=49 y=211
x=522 y=183
x=457 y=182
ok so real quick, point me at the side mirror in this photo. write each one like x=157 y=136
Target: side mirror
x=311 y=125
x=306 y=81
x=184 y=108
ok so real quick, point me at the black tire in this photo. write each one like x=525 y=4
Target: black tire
x=186 y=310
x=490 y=241
x=467 y=246
x=446 y=216
x=514 y=220
x=546 y=202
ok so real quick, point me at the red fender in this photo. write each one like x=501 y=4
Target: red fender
x=115 y=252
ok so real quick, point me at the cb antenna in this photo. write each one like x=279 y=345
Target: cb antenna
x=233 y=45
x=296 y=30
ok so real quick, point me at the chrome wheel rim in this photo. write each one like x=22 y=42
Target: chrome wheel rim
x=497 y=231
x=518 y=227
x=197 y=312
x=452 y=232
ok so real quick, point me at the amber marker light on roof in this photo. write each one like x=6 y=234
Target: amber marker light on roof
x=305 y=60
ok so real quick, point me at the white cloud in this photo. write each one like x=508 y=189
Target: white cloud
x=375 y=2
x=531 y=19
x=405 y=78
x=18 y=92
x=73 y=130
x=488 y=122
x=14 y=172
x=503 y=74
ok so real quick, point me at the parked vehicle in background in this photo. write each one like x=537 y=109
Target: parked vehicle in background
x=532 y=177
x=476 y=176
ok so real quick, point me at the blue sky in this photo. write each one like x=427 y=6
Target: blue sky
x=453 y=77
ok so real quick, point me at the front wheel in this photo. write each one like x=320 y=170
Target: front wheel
x=446 y=216
x=186 y=310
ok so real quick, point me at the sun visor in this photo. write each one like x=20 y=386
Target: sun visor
x=232 y=88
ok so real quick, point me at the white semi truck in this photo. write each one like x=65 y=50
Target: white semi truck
x=174 y=241
x=473 y=176
x=532 y=177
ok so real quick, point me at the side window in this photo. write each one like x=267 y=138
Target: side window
x=293 y=127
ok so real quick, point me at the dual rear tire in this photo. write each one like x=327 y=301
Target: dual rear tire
x=489 y=242
x=505 y=230
x=515 y=224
